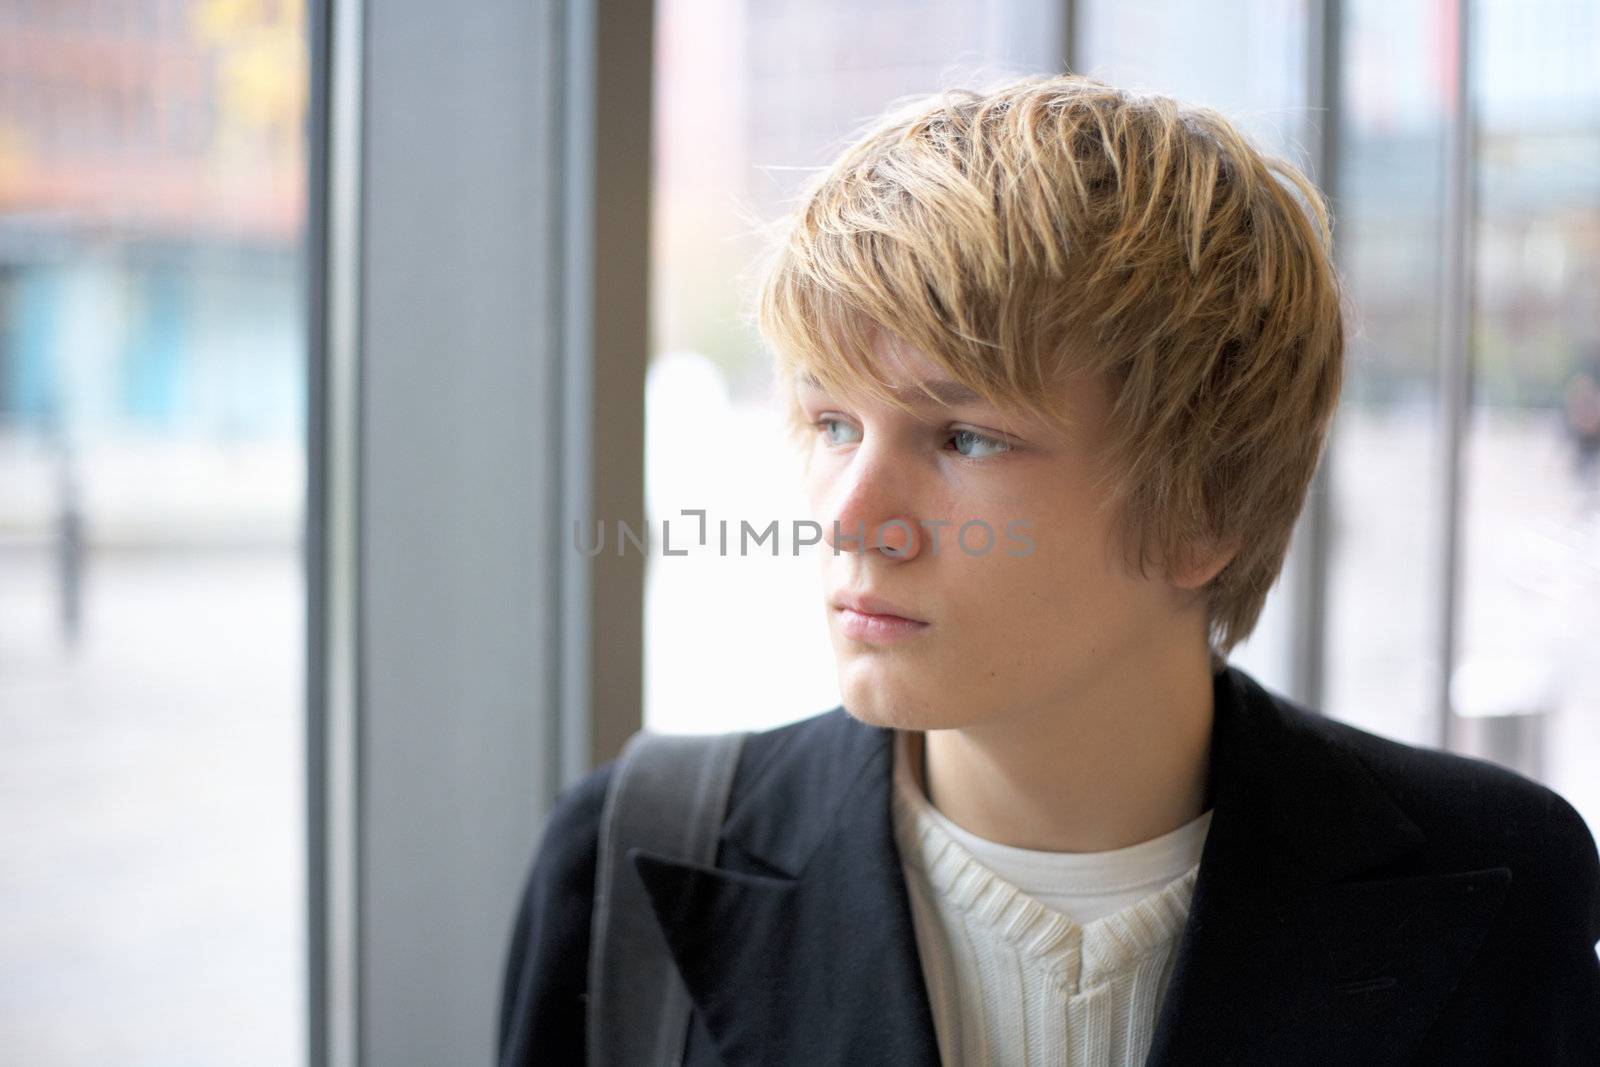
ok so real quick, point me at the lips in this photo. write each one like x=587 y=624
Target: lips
x=869 y=604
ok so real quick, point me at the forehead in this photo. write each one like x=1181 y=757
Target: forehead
x=911 y=374
x=923 y=391
x=898 y=358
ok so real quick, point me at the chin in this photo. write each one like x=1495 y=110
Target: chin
x=895 y=720
x=873 y=698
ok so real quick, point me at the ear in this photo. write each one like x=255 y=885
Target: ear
x=1204 y=565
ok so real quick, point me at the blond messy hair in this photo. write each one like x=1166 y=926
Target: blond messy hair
x=1058 y=226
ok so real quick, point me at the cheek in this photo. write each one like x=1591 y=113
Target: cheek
x=1062 y=579
x=1025 y=625
x=1011 y=596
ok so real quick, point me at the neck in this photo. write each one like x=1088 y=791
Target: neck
x=1118 y=761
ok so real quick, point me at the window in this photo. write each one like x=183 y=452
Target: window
x=152 y=601
x=749 y=98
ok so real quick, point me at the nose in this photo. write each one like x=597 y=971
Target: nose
x=869 y=509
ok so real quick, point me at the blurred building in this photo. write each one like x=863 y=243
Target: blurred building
x=152 y=201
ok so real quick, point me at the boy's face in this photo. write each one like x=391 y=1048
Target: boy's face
x=1047 y=613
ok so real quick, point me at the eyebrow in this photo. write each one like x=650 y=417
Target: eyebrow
x=945 y=391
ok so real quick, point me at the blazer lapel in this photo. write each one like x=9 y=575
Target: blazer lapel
x=1289 y=954
x=799 y=946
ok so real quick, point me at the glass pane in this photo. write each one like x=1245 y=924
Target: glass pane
x=152 y=382
x=1255 y=58
x=1530 y=600
x=1255 y=73
x=749 y=98
x=1384 y=468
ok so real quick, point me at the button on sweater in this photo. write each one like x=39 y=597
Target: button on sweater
x=1035 y=957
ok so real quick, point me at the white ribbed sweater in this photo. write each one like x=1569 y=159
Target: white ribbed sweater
x=1012 y=978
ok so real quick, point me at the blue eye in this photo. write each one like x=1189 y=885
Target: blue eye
x=969 y=443
x=983 y=442
x=823 y=424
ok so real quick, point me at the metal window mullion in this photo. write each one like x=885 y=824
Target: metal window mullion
x=1308 y=641
x=575 y=392
x=1072 y=42
x=332 y=533
x=1455 y=361
x=606 y=137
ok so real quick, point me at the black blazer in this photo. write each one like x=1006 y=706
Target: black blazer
x=1359 y=901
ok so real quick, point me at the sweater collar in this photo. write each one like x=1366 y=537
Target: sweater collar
x=1148 y=863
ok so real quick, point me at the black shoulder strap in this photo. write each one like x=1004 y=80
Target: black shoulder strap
x=668 y=795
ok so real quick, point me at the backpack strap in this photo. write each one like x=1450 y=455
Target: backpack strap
x=668 y=795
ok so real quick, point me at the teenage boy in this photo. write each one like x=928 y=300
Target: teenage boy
x=1061 y=360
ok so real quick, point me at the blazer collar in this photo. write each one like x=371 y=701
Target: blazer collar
x=800 y=945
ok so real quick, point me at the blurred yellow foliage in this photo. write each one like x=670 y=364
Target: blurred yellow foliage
x=262 y=77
